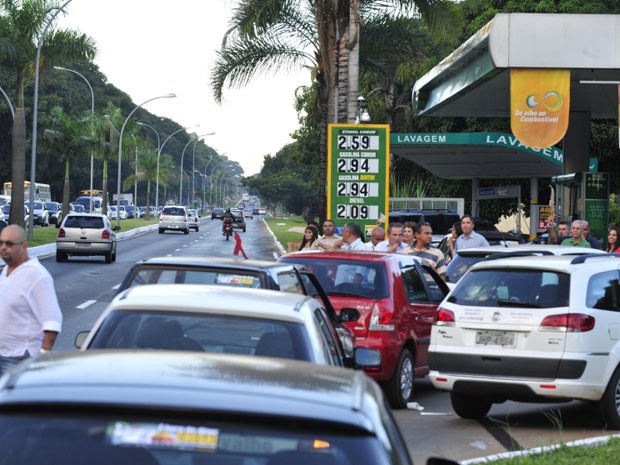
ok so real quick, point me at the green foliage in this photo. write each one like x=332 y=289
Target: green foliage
x=614 y=210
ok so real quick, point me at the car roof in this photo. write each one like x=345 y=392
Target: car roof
x=194 y=381
x=80 y=214
x=559 y=263
x=541 y=248
x=203 y=298
x=218 y=262
x=365 y=256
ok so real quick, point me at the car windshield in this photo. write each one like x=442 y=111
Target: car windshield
x=512 y=288
x=52 y=206
x=203 y=332
x=188 y=275
x=122 y=438
x=459 y=265
x=348 y=277
x=84 y=222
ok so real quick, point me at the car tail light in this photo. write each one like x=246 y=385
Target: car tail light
x=61 y=233
x=445 y=317
x=105 y=234
x=382 y=316
x=568 y=323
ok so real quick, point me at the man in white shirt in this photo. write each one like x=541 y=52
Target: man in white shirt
x=394 y=241
x=329 y=240
x=469 y=238
x=376 y=236
x=352 y=237
x=30 y=317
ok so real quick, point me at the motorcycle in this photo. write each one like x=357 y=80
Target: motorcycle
x=228 y=229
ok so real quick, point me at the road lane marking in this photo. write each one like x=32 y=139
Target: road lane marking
x=86 y=304
x=117 y=286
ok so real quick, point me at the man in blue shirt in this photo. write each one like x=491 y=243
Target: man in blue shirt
x=469 y=238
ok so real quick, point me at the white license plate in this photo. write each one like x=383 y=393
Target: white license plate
x=496 y=338
x=82 y=245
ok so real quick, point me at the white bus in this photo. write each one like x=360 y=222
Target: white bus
x=42 y=191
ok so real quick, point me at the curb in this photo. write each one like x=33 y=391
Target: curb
x=275 y=240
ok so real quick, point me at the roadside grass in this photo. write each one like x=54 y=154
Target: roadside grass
x=603 y=454
x=281 y=228
x=47 y=235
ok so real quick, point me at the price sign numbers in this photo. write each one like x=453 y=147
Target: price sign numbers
x=357 y=212
x=358 y=165
x=357 y=189
x=358 y=142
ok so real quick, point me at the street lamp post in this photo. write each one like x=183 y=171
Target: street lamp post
x=120 y=156
x=35 y=114
x=92 y=112
x=182 y=156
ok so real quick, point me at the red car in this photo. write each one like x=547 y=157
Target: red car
x=397 y=297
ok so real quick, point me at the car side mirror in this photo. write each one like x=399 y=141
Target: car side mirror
x=116 y=228
x=57 y=225
x=349 y=314
x=80 y=338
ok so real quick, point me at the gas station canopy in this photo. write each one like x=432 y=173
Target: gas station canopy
x=476 y=155
x=474 y=80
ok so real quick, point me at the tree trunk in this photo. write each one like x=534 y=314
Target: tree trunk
x=65 y=191
x=18 y=168
x=104 y=187
x=147 y=212
x=353 y=58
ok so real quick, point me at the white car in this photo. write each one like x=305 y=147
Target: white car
x=112 y=212
x=86 y=234
x=531 y=329
x=220 y=319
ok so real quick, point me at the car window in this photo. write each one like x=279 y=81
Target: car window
x=437 y=294
x=194 y=276
x=327 y=336
x=174 y=211
x=414 y=286
x=459 y=265
x=604 y=291
x=288 y=282
x=204 y=332
x=84 y=222
x=513 y=287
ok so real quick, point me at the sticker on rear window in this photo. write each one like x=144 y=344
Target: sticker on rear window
x=163 y=435
x=236 y=279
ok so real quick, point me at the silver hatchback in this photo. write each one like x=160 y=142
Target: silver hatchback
x=86 y=234
x=174 y=218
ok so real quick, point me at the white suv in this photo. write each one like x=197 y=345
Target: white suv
x=531 y=329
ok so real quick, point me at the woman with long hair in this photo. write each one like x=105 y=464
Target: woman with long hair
x=310 y=235
x=613 y=245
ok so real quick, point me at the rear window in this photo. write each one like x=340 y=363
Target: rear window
x=459 y=265
x=174 y=211
x=195 y=276
x=84 y=222
x=348 y=277
x=513 y=288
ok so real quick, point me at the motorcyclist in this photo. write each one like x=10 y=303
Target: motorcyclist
x=228 y=219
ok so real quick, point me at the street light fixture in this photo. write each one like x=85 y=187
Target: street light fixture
x=92 y=112
x=362 y=111
x=35 y=115
x=120 y=155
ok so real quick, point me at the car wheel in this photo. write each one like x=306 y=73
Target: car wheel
x=114 y=255
x=197 y=229
x=108 y=257
x=399 y=389
x=161 y=231
x=186 y=231
x=243 y=229
x=60 y=257
x=470 y=407
x=609 y=405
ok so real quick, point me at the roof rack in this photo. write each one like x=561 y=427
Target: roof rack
x=583 y=258
x=517 y=253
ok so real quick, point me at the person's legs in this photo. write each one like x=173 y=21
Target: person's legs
x=6 y=363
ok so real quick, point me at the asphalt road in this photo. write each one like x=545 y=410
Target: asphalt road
x=86 y=285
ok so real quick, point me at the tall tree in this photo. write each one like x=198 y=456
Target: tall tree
x=64 y=135
x=321 y=34
x=21 y=24
x=145 y=168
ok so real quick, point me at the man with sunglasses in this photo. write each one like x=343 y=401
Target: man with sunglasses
x=30 y=316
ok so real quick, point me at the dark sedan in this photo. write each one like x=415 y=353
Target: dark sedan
x=159 y=407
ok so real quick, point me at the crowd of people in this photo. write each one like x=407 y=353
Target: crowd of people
x=416 y=239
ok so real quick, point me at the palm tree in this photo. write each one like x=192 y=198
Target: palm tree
x=21 y=25
x=65 y=138
x=145 y=169
x=323 y=35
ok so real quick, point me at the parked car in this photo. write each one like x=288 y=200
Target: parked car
x=112 y=212
x=193 y=219
x=86 y=234
x=217 y=213
x=132 y=211
x=440 y=220
x=464 y=259
x=40 y=213
x=220 y=320
x=54 y=212
x=174 y=218
x=531 y=330
x=239 y=221
x=157 y=408
x=397 y=297
x=261 y=274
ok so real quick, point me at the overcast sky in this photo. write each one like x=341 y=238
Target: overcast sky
x=149 y=48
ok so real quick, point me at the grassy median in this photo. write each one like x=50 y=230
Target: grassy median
x=47 y=235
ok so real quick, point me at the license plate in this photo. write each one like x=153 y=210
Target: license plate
x=82 y=245
x=496 y=338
